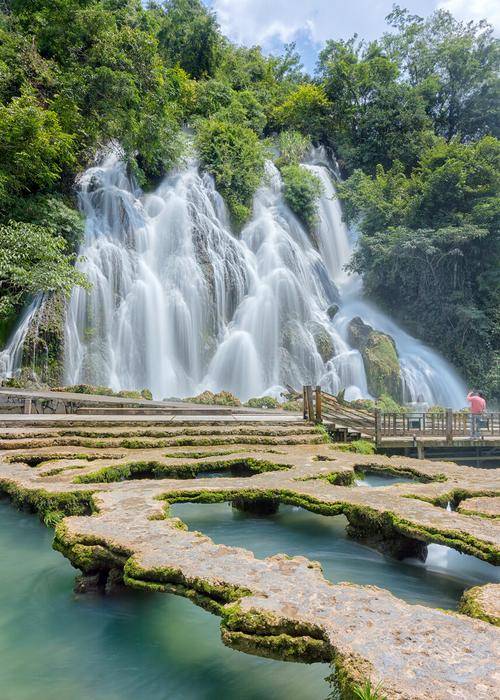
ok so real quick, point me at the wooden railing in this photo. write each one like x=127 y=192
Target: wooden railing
x=448 y=424
x=321 y=407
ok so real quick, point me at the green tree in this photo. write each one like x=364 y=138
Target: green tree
x=34 y=150
x=429 y=249
x=306 y=110
x=376 y=118
x=189 y=36
x=454 y=65
x=32 y=259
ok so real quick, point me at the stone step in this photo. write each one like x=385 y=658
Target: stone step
x=144 y=421
x=155 y=411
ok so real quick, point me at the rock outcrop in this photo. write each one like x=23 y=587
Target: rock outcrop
x=380 y=359
x=323 y=341
x=43 y=348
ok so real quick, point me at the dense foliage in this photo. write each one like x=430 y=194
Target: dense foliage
x=412 y=119
x=301 y=189
x=32 y=258
x=234 y=155
x=430 y=249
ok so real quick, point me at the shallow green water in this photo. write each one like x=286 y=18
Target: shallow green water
x=440 y=583
x=58 y=646
x=380 y=479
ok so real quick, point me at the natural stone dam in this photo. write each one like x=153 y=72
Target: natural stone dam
x=111 y=489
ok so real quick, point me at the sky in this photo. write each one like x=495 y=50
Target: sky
x=272 y=23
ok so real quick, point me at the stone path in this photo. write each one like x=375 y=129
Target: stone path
x=278 y=606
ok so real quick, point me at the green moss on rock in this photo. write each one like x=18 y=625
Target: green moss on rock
x=380 y=358
x=472 y=604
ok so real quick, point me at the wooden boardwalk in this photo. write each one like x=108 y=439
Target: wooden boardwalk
x=449 y=430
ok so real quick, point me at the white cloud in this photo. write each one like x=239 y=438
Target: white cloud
x=475 y=10
x=267 y=22
x=262 y=21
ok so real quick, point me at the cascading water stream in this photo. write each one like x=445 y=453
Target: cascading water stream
x=11 y=356
x=178 y=304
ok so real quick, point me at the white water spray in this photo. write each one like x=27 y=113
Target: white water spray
x=179 y=304
x=11 y=356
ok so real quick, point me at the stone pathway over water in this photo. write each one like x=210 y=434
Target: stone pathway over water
x=126 y=473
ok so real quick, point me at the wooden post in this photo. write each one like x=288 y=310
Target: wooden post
x=449 y=426
x=310 y=402
x=378 y=426
x=304 y=403
x=319 y=413
x=27 y=405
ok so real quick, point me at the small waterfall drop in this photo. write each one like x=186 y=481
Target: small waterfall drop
x=11 y=356
x=179 y=304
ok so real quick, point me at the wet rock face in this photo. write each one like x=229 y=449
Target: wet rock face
x=324 y=342
x=332 y=311
x=380 y=358
x=44 y=344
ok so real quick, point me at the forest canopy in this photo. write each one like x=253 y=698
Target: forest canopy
x=411 y=118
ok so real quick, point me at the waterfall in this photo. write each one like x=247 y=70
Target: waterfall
x=179 y=304
x=11 y=356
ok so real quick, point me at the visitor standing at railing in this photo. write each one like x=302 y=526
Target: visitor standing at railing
x=477 y=405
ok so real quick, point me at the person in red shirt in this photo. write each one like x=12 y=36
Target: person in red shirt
x=477 y=407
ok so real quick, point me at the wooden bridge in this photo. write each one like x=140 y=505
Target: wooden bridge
x=449 y=431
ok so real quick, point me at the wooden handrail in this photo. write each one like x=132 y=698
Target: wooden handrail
x=447 y=424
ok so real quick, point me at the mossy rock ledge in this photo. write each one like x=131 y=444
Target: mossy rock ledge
x=94 y=481
x=380 y=358
x=482 y=602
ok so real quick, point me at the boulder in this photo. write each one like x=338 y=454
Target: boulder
x=323 y=340
x=380 y=358
x=332 y=311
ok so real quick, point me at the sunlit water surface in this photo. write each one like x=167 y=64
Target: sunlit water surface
x=294 y=531
x=58 y=646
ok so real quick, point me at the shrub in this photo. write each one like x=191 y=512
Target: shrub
x=295 y=406
x=364 y=404
x=387 y=404
x=125 y=394
x=293 y=146
x=362 y=447
x=263 y=402
x=302 y=190
x=234 y=155
x=436 y=409
x=368 y=692
x=86 y=389
x=223 y=398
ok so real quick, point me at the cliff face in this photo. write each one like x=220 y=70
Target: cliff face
x=43 y=348
x=380 y=359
